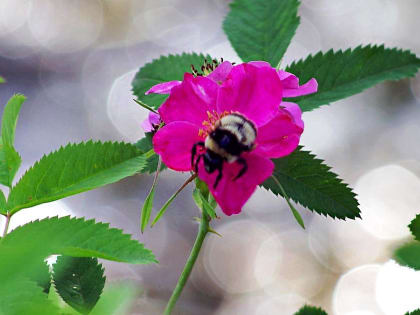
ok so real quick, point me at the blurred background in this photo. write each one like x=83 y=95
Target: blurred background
x=75 y=61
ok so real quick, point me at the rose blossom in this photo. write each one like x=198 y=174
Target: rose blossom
x=252 y=90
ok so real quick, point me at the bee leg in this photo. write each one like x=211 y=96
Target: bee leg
x=219 y=176
x=241 y=161
x=197 y=162
x=194 y=153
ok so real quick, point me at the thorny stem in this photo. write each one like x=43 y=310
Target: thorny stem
x=202 y=232
x=6 y=227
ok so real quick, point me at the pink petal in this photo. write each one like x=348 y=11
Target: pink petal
x=296 y=112
x=150 y=122
x=291 y=86
x=279 y=137
x=163 y=88
x=146 y=125
x=190 y=100
x=255 y=92
x=174 y=142
x=220 y=74
x=232 y=194
x=260 y=63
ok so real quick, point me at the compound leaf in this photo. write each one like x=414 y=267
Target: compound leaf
x=74 y=169
x=341 y=74
x=9 y=158
x=78 y=238
x=166 y=68
x=311 y=310
x=262 y=29
x=308 y=181
x=79 y=281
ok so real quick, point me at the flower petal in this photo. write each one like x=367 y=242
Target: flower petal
x=163 y=88
x=232 y=194
x=295 y=111
x=150 y=122
x=190 y=100
x=280 y=136
x=174 y=143
x=220 y=74
x=253 y=91
x=291 y=86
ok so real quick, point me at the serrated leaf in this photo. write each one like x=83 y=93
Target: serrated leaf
x=9 y=158
x=309 y=182
x=74 y=169
x=415 y=227
x=145 y=145
x=79 y=281
x=2 y=203
x=311 y=310
x=341 y=74
x=261 y=29
x=409 y=255
x=415 y=312
x=78 y=238
x=115 y=300
x=22 y=296
x=166 y=68
x=42 y=276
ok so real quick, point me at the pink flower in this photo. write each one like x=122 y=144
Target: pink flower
x=151 y=123
x=228 y=126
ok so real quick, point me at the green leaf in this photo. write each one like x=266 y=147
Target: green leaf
x=2 y=80
x=166 y=68
x=309 y=182
x=2 y=203
x=145 y=145
x=42 y=277
x=262 y=29
x=9 y=158
x=203 y=204
x=79 y=281
x=415 y=227
x=147 y=208
x=78 y=238
x=342 y=74
x=22 y=296
x=74 y=169
x=311 y=310
x=115 y=300
x=416 y=312
x=409 y=255
x=295 y=213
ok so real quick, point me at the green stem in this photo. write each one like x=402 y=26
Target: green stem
x=202 y=232
x=6 y=227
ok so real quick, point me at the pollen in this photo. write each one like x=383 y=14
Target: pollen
x=210 y=124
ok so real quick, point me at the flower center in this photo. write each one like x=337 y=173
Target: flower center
x=209 y=125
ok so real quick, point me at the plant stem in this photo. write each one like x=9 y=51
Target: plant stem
x=6 y=227
x=202 y=232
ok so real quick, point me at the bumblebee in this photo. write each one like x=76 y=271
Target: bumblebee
x=232 y=135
